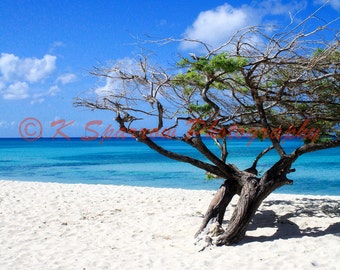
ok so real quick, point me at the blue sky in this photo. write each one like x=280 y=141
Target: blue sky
x=47 y=48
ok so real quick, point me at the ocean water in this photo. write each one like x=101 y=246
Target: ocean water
x=128 y=162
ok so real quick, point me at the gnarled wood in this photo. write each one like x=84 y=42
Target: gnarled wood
x=219 y=204
x=254 y=191
x=243 y=213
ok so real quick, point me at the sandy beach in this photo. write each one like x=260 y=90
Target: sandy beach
x=75 y=226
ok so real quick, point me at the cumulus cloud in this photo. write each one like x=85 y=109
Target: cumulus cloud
x=16 y=74
x=216 y=26
x=8 y=65
x=18 y=90
x=27 y=69
x=67 y=78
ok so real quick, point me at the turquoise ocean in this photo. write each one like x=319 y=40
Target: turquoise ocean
x=125 y=161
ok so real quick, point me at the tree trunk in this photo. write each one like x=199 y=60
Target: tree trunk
x=248 y=203
x=252 y=193
x=219 y=204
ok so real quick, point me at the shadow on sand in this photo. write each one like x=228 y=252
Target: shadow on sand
x=286 y=229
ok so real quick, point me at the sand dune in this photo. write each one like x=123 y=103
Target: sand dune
x=59 y=226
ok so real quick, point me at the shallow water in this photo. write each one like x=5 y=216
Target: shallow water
x=128 y=162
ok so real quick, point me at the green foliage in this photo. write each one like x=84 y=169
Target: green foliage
x=202 y=110
x=201 y=69
x=288 y=97
x=222 y=62
x=217 y=63
x=188 y=90
x=205 y=108
x=190 y=78
x=318 y=52
x=184 y=62
x=334 y=56
x=210 y=176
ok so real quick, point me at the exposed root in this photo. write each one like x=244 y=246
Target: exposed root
x=209 y=235
x=216 y=230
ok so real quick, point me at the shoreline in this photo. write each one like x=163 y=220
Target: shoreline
x=152 y=187
x=84 y=226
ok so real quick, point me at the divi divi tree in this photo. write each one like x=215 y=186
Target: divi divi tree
x=268 y=85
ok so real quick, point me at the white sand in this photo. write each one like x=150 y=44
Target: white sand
x=57 y=226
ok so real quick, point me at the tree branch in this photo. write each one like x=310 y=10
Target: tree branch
x=307 y=148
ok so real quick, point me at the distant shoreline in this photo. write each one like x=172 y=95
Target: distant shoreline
x=276 y=192
x=161 y=188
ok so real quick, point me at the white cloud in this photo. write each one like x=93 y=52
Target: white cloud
x=26 y=69
x=129 y=66
x=8 y=65
x=40 y=97
x=37 y=100
x=18 y=90
x=6 y=124
x=67 y=78
x=56 y=45
x=53 y=90
x=275 y=7
x=38 y=69
x=3 y=124
x=216 y=26
x=110 y=85
x=2 y=85
x=16 y=74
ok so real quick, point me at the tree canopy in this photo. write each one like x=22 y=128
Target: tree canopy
x=266 y=85
x=259 y=82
